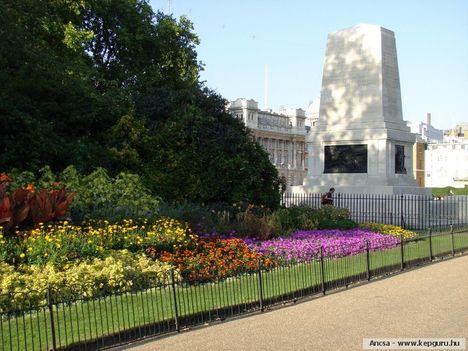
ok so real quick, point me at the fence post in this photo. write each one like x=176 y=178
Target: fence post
x=260 y=285
x=367 y=260
x=322 y=270
x=402 y=253
x=174 y=296
x=453 y=245
x=402 y=219
x=52 y=323
x=430 y=244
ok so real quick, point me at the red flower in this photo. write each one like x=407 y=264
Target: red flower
x=4 y=178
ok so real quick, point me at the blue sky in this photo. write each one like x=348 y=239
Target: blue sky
x=238 y=38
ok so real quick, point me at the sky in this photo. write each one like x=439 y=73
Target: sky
x=240 y=38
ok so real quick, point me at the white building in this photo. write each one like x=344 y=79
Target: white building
x=281 y=134
x=457 y=134
x=447 y=165
x=312 y=112
x=427 y=131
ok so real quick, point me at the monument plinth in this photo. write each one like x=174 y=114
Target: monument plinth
x=360 y=143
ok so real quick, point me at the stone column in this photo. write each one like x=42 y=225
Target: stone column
x=360 y=119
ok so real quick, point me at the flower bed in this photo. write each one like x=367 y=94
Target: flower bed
x=63 y=243
x=389 y=229
x=305 y=245
x=120 y=271
x=214 y=258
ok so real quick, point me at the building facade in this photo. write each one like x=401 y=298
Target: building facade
x=428 y=132
x=282 y=135
x=460 y=132
x=419 y=163
x=447 y=165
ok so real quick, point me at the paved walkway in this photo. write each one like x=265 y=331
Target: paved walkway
x=429 y=302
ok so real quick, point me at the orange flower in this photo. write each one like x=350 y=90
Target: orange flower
x=30 y=188
x=4 y=178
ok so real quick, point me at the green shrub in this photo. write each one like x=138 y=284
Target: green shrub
x=201 y=219
x=331 y=212
x=10 y=251
x=287 y=220
x=337 y=224
x=330 y=217
x=249 y=225
x=99 y=196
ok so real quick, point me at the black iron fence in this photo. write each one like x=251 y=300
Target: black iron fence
x=68 y=320
x=409 y=211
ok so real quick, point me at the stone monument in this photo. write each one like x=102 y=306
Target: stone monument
x=360 y=143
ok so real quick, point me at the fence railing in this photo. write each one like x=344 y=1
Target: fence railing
x=409 y=211
x=59 y=320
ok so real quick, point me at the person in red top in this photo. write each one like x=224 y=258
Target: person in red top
x=327 y=198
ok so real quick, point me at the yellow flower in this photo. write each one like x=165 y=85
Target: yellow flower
x=22 y=255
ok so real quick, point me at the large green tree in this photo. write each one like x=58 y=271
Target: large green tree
x=50 y=109
x=110 y=83
x=206 y=155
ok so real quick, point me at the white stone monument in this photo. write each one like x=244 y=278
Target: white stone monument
x=360 y=143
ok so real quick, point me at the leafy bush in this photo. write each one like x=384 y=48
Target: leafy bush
x=201 y=219
x=100 y=196
x=330 y=217
x=28 y=207
x=337 y=224
x=119 y=272
x=9 y=248
x=250 y=225
x=214 y=258
x=287 y=220
x=389 y=229
x=331 y=212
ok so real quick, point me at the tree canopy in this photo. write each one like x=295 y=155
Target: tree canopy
x=110 y=83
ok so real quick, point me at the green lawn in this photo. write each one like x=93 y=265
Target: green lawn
x=445 y=191
x=134 y=315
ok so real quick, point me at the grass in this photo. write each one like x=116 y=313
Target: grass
x=117 y=318
x=446 y=191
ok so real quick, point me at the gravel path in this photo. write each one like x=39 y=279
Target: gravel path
x=428 y=302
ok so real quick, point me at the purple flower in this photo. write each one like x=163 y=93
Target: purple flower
x=305 y=245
